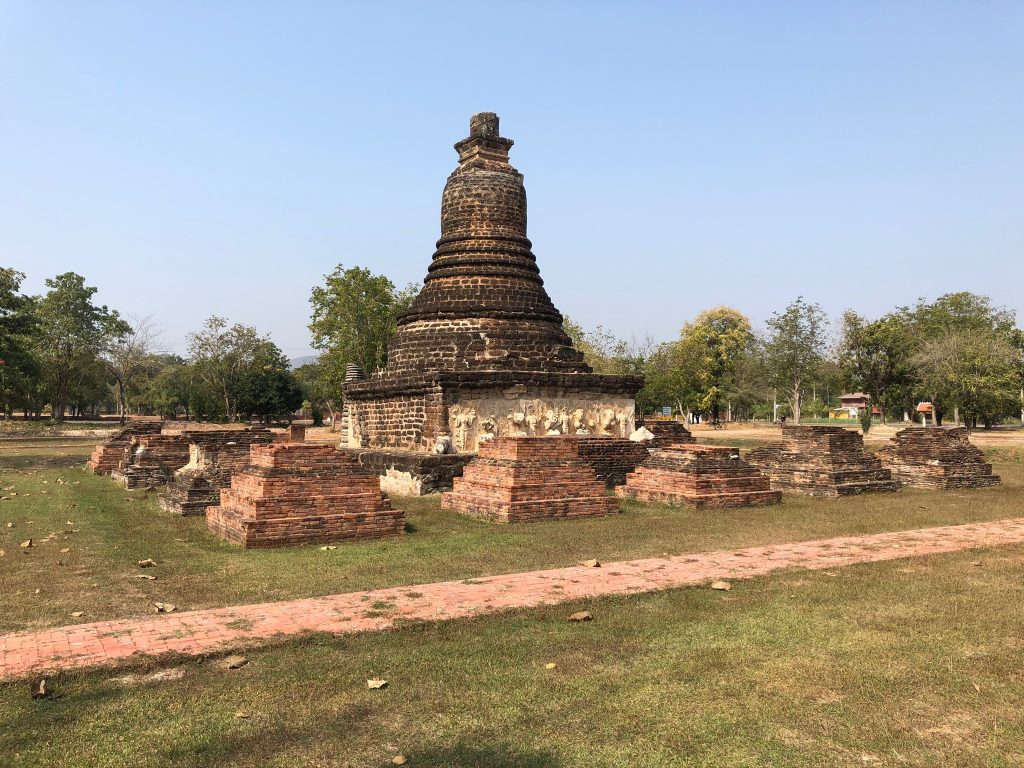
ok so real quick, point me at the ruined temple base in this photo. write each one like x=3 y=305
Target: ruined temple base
x=299 y=493
x=526 y=479
x=611 y=458
x=411 y=473
x=149 y=460
x=935 y=457
x=214 y=456
x=699 y=475
x=107 y=456
x=821 y=461
x=667 y=432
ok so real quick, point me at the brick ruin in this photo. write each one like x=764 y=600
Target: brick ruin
x=668 y=432
x=821 y=461
x=699 y=475
x=302 y=493
x=611 y=458
x=149 y=460
x=214 y=456
x=937 y=457
x=107 y=456
x=481 y=353
x=526 y=479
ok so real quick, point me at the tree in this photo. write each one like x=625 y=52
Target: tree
x=876 y=357
x=72 y=334
x=713 y=345
x=127 y=356
x=976 y=371
x=795 y=349
x=18 y=366
x=354 y=316
x=221 y=356
x=267 y=387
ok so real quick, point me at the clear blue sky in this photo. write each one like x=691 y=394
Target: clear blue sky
x=192 y=158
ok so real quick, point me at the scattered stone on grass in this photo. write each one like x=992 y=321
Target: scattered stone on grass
x=582 y=616
x=725 y=586
x=234 y=662
x=327 y=548
x=399 y=760
x=376 y=683
x=26 y=544
x=240 y=715
x=593 y=563
x=165 y=607
x=550 y=665
x=40 y=689
x=145 y=576
x=77 y=614
x=147 y=563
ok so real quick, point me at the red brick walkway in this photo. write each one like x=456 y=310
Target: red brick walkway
x=198 y=632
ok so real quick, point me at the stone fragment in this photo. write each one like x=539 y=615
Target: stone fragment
x=376 y=683
x=26 y=544
x=164 y=607
x=581 y=616
x=147 y=563
x=40 y=689
x=399 y=760
x=723 y=586
x=592 y=563
x=234 y=662
x=550 y=665
x=77 y=614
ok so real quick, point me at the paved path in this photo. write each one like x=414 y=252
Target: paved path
x=199 y=632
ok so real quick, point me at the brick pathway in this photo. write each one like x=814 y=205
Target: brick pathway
x=198 y=632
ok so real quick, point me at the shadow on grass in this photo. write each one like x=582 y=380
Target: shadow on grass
x=462 y=755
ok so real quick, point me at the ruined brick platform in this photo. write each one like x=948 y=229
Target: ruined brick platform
x=214 y=456
x=821 y=461
x=411 y=473
x=700 y=475
x=525 y=479
x=300 y=493
x=611 y=458
x=107 y=456
x=936 y=457
x=667 y=432
x=149 y=460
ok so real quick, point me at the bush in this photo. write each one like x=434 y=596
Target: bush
x=865 y=419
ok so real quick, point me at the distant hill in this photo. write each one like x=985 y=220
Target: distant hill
x=296 y=362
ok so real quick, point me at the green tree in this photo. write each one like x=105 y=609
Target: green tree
x=19 y=369
x=221 y=356
x=795 y=349
x=354 y=315
x=128 y=357
x=73 y=332
x=876 y=357
x=712 y=347
x=267 y=388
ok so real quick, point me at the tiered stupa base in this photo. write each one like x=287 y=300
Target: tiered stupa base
x=149 y=460
x=526 y=479
x=933 y=457
x=214 y=456
x=107 y=456
x=298 y=493
x=611 y=458
x=668 y=432
x=700 y=475
x=821 y=461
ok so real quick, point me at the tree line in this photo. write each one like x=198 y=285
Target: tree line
x=63 y=355
x=60 y=353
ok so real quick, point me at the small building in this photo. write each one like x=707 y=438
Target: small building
x=851 y=405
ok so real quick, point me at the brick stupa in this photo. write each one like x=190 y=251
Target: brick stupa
x=214 y=456
x=481 y=353
x=936 y=457
x=525 y=479
x=302 y=493
x=821 y=461
x=699 y=475
x=107 y=455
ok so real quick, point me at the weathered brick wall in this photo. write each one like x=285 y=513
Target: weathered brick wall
x=821 y=461
x=107 y=456
x=525 y=479
x=936 y=457
x=300 y=493
x=699 y=475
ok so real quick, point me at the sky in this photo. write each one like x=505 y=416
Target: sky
x=199 y=158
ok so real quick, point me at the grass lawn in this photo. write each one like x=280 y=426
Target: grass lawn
x=903 y=663
x=114 y=529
